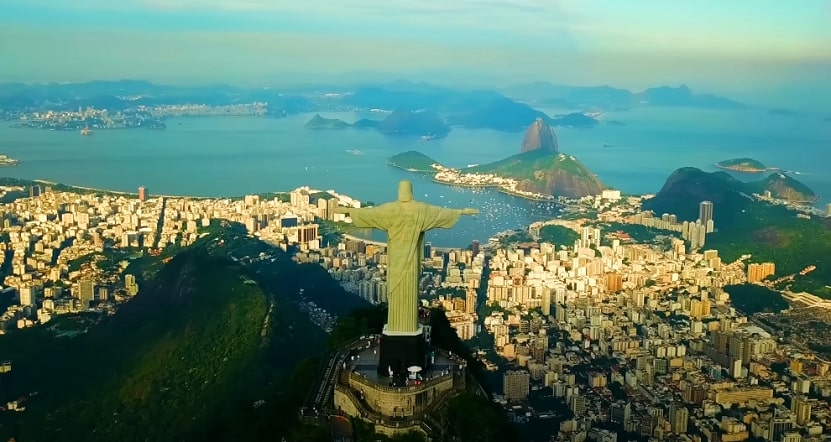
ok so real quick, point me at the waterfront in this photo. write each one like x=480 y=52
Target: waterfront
x=213 y=156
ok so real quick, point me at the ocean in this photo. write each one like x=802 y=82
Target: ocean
x=234 y=156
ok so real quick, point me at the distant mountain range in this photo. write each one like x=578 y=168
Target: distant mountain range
x=615 y=98
x=506 y=110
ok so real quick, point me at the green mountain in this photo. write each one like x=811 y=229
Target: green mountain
x=413 y=161
x=546 y=172
x=421 y=123
x=688 y=186
x=185 y=360
x=746 y=226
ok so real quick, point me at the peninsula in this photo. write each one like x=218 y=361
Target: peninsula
x=539 y=172
x=746 y=165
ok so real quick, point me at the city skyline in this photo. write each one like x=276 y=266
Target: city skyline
x=255 y=42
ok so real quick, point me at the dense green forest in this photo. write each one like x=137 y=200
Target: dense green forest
x=188 y=359
x=558 y=235
x=744 y=226
x=751 y=298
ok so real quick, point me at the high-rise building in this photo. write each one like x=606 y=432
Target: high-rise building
x=516 y=384
x=322 y=208
x=103 y=294
x=34 y=191
x=474 y=247
x=546 y=301
x=679 y=416
x=28 y=295
x=86 y=292
x=614 y=282
x=759 y=271
x=801 y=409
x=470 y=301
x=332 y=207
x=142 y=191
x=780 y=424
x=705 y=212
x=307 y=232
x=828 y=209
x=620 y=412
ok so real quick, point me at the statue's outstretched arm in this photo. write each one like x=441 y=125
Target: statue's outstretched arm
x=470 y=211
x=367 y=217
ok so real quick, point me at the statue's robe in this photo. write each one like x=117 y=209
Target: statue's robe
x=405 y=224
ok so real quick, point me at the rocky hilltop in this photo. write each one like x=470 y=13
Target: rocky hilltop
x=541 y=168
x=783 y=187
x=540 y=136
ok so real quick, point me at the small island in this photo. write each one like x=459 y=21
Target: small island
x=7 y=161
x=746 y=165
x=318 y=123
x=414 y=161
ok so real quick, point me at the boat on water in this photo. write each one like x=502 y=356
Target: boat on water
x=7 y=161
x=354 y=152
x=607 y=145
x=86 y=131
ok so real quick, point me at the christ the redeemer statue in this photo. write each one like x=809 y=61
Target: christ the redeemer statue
x=405 y=222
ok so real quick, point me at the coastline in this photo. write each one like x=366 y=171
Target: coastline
x=472 y=186
x=409 y=169
x=114 y=192
x=498 y=188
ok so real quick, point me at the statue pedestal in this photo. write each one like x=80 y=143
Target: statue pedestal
x=399 y=351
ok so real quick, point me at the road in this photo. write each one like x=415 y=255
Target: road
x=319 y=401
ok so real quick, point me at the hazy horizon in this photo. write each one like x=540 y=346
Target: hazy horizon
x=753 y=51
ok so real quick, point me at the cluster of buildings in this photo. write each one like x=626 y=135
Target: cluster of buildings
x=53 y=242
x=255 y=109
x=456 y=177
x=138 y=116
x=646 y=339
x=695 y=232
x=48 y=237
x=642 y=337
x=450 y=279
x=89 y=118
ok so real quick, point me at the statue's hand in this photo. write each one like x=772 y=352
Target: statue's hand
x=470 y=211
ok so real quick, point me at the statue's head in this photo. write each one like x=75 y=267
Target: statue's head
x=405 y=191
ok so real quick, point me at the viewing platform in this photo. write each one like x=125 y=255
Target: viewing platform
x=393 y=408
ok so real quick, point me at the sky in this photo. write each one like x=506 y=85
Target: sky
x=738 y=46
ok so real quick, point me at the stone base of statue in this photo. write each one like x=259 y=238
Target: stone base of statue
x=398 y=351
